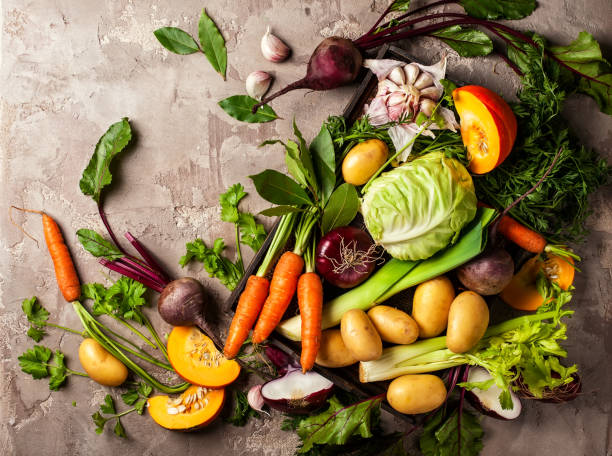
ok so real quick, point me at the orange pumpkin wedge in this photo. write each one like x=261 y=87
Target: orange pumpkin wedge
x=488 y=126
x=522 y=293
x=198 y=407
x=196 y=359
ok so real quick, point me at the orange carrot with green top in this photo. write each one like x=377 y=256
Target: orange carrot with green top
x=310 y=302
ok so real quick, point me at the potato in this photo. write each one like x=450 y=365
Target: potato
x=421 y=393
x=363 y=160
x=393 y=325
x=360 y=336
x=100 y=365
x=332 y=351
x=467 y=322
x=430 y=306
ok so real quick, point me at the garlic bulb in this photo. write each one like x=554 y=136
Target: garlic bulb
x=273 y=48
x=258 y=83
x=404 y=91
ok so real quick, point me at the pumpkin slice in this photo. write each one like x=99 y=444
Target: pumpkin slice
x=195 y=408
x=196 y=359
x=522 y=293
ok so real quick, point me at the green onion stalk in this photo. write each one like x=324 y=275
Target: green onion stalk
x=96 y=331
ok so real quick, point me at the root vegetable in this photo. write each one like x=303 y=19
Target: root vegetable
x=431 y=304
x=468 y=319
x=100 y=365
x=393 y=325
x=486 y=401
x=488 y=273
x=412 y=394
x=360 y=335
x=363 y=160
x=332 y=351
x=182 y=303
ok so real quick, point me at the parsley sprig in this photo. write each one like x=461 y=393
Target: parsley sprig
x=37 y=315
x=136 y=397
x=37 y=362
x=248 y=232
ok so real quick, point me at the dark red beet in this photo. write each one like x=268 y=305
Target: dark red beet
x=346 y=256
x=335 y=62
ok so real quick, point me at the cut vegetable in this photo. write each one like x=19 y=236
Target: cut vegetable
x=195 y=408
x=196 y=359
x=486 y=400
x=522 y=292
x=488 y=126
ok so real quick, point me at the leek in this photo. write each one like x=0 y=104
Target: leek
x=397 y=275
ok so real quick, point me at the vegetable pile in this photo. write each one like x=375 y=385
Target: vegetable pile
x=430 y=190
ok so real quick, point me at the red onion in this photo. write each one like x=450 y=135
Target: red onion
x=346 y=256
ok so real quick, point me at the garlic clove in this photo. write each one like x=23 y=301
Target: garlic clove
x=396 y=111
x=397 y=75
x=424 y=80
x=386 y=86
x=427 y=106
x=255 y=399
x=273 y=48
x=396 y=98
x=412 y=72
x=431 y=92
x=258 y=83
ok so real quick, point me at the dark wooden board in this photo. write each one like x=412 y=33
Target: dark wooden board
x=346 y=378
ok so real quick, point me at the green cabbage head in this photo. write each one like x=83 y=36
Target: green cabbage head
x=420 y=207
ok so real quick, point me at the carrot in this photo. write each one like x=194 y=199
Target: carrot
x=65 y=272
x=249 y=305
x=310 y=301
x=521 y=235
x=282 y=289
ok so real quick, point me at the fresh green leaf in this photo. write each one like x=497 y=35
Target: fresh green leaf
x=441 y=436
x=118 y=430
x=97 y=175
x=108 y=406
x=34 y=361
x=36 y=333
x=324 y=157
x=584 y=56
x=277 y=211
x=97 y=245
x=176 y=40
x=277 y=188
x=240 y=107
x=252 y=233
x=140 y=405
x=213 y=44
x=341 y=209
x=305 y=157
x=466 y=41
x=338 y=423
x=99 y=421
x=34 y=311
x=242 y=410
x=145 y=389
x=294 y=164
x=57 y=371
x=499 y=9
x=229 y=203
x=400 y=5
x=130 y=397
x=215 y=263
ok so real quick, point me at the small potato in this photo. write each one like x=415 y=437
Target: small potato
x=412 y=394
x=467 y=322
x=363 y=160
x=430 y=306
x=100 y=365
x=332 y=351
x=360 y=336
x=393 y=325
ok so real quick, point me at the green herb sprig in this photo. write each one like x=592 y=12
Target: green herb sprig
x=137 y=397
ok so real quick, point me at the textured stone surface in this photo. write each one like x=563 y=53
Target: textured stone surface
x=71 y=68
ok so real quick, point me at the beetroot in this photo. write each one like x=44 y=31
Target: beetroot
x=335 y=62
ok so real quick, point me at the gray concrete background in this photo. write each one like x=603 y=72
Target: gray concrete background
x=71 y=68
